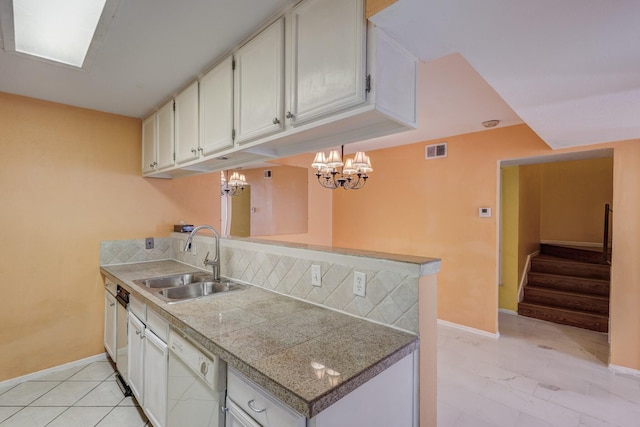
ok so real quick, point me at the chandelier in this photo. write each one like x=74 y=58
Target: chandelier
x=232 y=186
x=352 y=174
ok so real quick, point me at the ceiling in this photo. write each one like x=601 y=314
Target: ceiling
x=569 y=69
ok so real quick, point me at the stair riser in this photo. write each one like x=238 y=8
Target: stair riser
x=587 y=286
x=574 y=254
x=573 y=302
x=579 y=320
x=592 y=271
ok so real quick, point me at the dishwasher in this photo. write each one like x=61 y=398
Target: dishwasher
x=196 y=385
x=122 y=297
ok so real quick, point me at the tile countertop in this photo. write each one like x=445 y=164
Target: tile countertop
x=273 y=339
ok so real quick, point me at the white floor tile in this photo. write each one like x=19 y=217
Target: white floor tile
x=124 y=416
x=80 y=417
x=106 y=394
x=96 y=371
x=25 y=393
x=536 y=374
x=32 y=417
x=61 y=375
x=66 y=394
x=7 y=411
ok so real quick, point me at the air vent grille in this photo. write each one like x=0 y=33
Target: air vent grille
x=435 y=151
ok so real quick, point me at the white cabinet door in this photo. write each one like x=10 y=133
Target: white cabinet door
x=186 y=124
x=328 y=49
x=149 y=147
x=165 y=135
x=110 y=309
x=216 y=108
x=156 y=359
x=135 y=343
x=259 y=76
x=236 y=417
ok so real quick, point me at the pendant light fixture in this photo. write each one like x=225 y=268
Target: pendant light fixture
x=334 y=173
x=232 y=186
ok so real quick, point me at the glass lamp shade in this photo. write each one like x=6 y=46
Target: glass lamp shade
x=223 y=180
x=334 y=160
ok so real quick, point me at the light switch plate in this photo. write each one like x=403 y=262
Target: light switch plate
x=484 y=212
x=316 y=275
x=359 y=283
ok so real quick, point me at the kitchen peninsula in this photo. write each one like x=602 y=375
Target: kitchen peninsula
x=278 y=331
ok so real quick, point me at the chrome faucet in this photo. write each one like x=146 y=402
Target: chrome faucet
x=215 y=263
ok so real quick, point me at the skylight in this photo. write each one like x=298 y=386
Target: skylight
x=59 y=30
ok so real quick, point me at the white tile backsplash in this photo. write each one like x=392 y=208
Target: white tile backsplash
x=392 y=287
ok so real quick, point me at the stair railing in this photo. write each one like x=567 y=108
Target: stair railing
x=605 y=240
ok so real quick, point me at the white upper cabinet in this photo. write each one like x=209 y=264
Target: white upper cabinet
x=186 y=124
x=259 y=88
x=149 y=145
x=216 y=108
x=165 y=136
x=327 y=65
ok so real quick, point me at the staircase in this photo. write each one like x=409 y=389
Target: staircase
x=569 y=286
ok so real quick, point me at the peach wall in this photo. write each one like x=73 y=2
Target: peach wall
x=573 y=197
x=319 y=208
x=625 y=269
x=70 y=178
x=374 y=6
x=430 y=208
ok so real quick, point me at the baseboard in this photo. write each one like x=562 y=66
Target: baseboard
x=468 y=329
x=507 y=311
x=575 y=244
x=35 y=375
x=623 y=370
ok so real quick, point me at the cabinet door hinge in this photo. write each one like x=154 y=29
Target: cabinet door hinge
x=174 y=156
x=174 y=105
x=233 y=64
x=233 y=134
x=368 y=83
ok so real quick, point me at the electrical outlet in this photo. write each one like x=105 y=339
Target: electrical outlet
x=148 y=243
x=316 y=275
x=359 y=283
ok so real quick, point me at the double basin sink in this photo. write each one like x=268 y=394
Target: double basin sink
x=187 y=286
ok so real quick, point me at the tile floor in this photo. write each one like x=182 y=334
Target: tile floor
x=81 y=396
x=536 y=374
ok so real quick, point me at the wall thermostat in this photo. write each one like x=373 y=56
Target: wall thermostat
x=484 y=212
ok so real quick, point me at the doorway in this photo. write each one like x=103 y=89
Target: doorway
x=546 y=201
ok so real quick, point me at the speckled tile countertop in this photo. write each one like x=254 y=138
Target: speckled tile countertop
x=274 y=339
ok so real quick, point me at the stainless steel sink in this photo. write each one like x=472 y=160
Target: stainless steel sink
x=199 y=289
x=187 y=286
x=175 y=280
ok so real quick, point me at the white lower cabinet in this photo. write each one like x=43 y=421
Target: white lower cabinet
x=148 y=361
x=135 y=344
x=110 y=309
x=156 y=356
x=255 y=407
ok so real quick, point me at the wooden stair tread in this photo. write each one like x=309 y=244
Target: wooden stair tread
x=553 y=258
x=567 y=277
x=568 y=293
x=565 y=316
x=568 y=310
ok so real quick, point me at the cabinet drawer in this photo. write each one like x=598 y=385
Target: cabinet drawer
x=259 y=404
x=111 y=287
x=138 y=308
x=158 y=325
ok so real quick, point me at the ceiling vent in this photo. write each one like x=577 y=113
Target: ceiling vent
x=435 y=151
